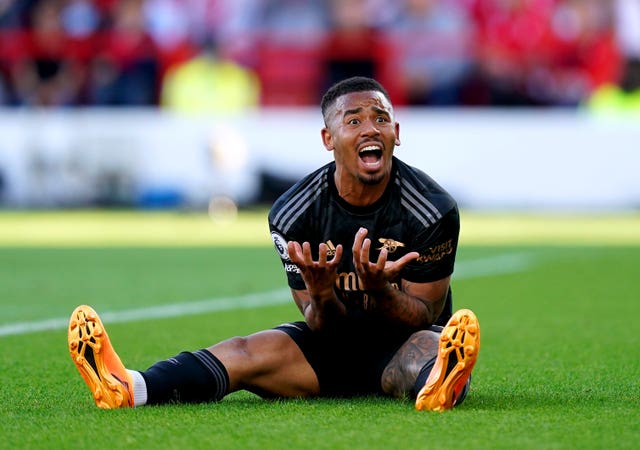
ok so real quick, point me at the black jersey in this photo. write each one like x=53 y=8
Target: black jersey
x=413 y=214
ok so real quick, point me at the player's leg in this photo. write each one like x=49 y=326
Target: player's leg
x=400 y=374
x=269 y=363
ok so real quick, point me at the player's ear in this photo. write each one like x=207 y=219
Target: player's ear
x=327 y=139
x=397 y=133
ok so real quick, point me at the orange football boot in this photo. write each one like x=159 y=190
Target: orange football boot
x=98 y=363
x=457 y=354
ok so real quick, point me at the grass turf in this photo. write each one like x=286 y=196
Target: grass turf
x=558 y=368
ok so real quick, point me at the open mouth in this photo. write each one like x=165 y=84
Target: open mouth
x=371 y=154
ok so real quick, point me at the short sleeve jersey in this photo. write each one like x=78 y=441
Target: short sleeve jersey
x=413 y=214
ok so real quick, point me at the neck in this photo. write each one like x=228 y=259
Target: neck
x=357 y=193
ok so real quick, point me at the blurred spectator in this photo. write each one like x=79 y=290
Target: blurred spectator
x=49 y=73
x=12 y=43
x=290 y=51
x=209 y=83
x=167 y=22
x=293 y=15
x=179 y=27
x=125 y=70
x=621 y=99
x=510 y=46
x=545 y=52
x=383 y=12
x=234 y=24
x=15 y=13
x=4 y=90
x=355 y=45
x=582 y=53
x=433 y=49
x=427 y=52
x=80 y=18
x=627 y=25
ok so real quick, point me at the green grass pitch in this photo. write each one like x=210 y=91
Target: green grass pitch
x=558 y=299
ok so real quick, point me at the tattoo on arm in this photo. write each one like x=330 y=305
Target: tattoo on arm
x=402 y=307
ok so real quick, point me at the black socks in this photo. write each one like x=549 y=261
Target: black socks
x=188 y=378
x=423 y=375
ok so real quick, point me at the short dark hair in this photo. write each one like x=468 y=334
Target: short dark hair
x=353 y=84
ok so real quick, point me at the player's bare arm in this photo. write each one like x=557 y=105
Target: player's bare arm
x=414 y=304
x=318 y=303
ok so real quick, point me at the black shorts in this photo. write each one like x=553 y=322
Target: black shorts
x=347 y=364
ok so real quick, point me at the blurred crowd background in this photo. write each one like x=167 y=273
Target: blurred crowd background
x=222 y=55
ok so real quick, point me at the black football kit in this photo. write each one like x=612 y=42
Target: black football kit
x=413 y=214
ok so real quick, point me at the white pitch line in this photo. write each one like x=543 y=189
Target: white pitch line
x=276 y=297
x=483 y=267
x=493 y=265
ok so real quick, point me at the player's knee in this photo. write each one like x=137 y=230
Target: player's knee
x=240 y=345
x=424 y=345
x=234 y=349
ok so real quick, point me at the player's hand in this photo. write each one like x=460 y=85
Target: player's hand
x=319 y=276
x=375 y=275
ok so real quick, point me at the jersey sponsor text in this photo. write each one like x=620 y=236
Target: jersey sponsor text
x=437 y=252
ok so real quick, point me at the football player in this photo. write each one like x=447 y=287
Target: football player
x=368 y=245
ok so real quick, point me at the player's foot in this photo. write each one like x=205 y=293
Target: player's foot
x=98 y=363
x=457 y=354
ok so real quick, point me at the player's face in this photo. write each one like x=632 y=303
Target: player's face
x=362 y=133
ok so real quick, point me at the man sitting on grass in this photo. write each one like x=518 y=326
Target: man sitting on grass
x=368 y=245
